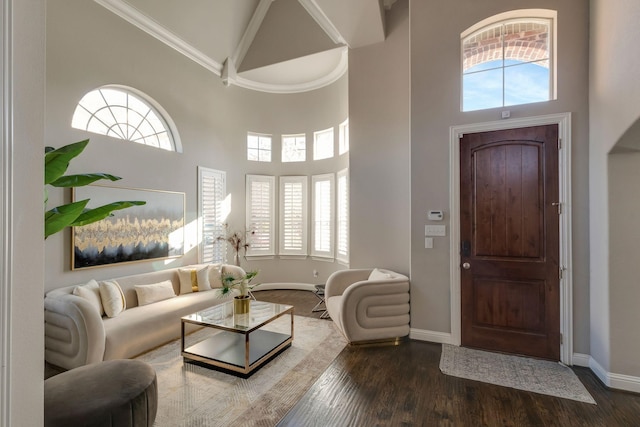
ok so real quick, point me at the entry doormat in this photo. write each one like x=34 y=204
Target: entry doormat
x=522 y=373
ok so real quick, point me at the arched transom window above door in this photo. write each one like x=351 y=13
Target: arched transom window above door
x=509 y=59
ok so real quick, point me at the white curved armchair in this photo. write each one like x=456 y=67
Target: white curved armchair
x=369 y=304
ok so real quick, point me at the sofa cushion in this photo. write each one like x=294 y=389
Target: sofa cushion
x=143 y=328
x=215 y=273
x=90 y=292
x=112 y=298
x=148 y=294
x=194 y=279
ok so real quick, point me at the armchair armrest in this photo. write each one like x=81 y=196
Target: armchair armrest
x=339 y=281
x=74 y=331
x=369 y=310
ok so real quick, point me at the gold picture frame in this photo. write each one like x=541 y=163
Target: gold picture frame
x=140 y=233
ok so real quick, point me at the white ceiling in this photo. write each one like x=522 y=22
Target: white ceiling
x=279 y=46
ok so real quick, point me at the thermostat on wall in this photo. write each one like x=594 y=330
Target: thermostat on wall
x=435 y=215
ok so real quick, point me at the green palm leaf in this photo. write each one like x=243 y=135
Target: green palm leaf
x=82 y=179
x=57 y=161
x=92 y=215
x=58 y=218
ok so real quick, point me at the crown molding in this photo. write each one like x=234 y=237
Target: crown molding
x=153 y=28
x=325 y=23
x=250 y=32
x=321 y=82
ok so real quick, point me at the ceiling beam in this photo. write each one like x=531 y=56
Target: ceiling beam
x=250 y=33
x=151 y=27
x=323 y=21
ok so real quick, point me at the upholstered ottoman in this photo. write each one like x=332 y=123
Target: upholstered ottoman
x=122 y=393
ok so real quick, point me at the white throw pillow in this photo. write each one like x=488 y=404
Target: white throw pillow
x=203 y=279
x=215 y=275
x=193 y=279
x=379 y=275
x=112 y=298
x=154 y=292
x=90 y=292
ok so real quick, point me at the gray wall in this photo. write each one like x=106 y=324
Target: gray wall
x=380 y=176
x=624 y=261
x=22 y=252
x=379 y=121
x=614 y=99
x=88 y=46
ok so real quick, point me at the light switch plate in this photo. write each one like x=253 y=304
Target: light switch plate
x=428 y=242
x=435 y=230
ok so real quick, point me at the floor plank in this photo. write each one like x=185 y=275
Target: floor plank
x=403 y=386
x=303 y=301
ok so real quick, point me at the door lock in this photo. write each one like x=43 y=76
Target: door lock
x=465 y=248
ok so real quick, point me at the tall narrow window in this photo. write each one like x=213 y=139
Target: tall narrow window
x=294 y=148
x=293 y=215
x=342 y=209
x=323 y=144
x=258 y=147
x=260 y=197
x=508 y=59
x=343 y=137
x=211 y=212
x=124 y=113
x=323 y=218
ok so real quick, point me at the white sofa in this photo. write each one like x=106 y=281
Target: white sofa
x=369 y=305
x=76 y=334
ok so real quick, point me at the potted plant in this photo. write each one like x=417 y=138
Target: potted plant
x=243 y=285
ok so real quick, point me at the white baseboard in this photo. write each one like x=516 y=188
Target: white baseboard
x=431 y=336
x=625 y=382
x=290 y=286
x=612 y=380
x=580 y=359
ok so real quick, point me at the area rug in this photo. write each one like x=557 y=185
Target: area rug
x=192 y=395
x=522 y=373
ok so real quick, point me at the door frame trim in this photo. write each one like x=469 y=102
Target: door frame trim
x=563 y=120
x=6 y=217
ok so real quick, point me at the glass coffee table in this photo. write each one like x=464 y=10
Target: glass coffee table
x=241 y=344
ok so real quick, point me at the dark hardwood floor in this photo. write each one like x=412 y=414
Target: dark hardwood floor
x=302 y=301
x=403 y=386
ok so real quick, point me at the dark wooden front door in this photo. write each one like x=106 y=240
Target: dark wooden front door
x=509 y=226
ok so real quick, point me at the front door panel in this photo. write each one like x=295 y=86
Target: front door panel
x=510 y=241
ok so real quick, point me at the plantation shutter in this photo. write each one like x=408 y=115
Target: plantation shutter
x=260 y=196
x=211 y=196
x=293 y=215
x=323 y=215
x=342 y=208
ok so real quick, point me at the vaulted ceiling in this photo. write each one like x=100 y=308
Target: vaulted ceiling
x=280 y=46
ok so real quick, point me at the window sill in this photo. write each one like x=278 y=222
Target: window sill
x=292 y=256
x=259 y=257
x=323 y=259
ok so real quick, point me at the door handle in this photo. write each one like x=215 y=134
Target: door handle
x=466 y=265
